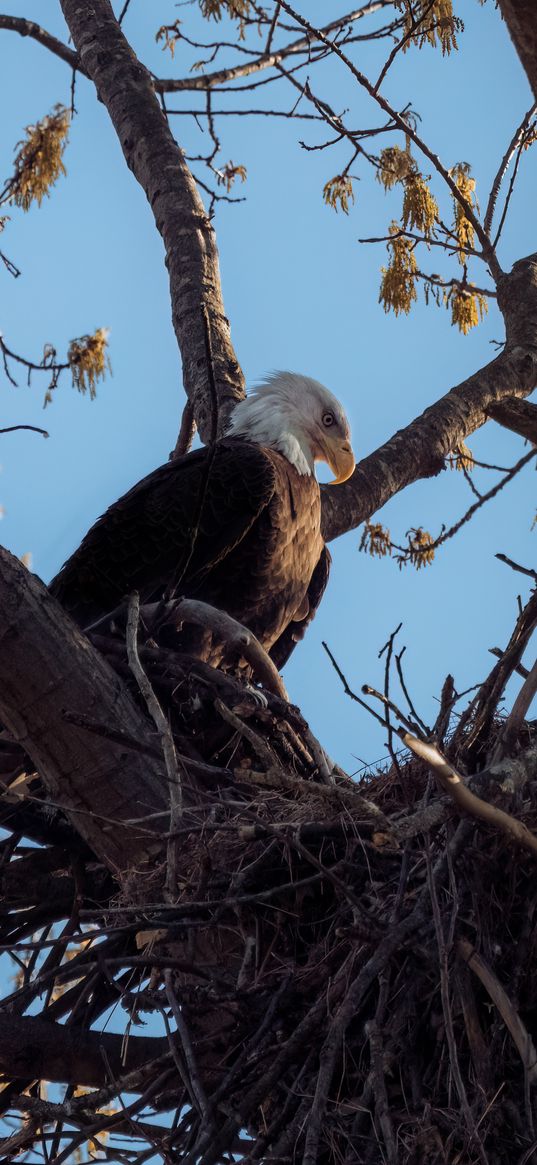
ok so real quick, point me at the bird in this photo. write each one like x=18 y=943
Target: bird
x=235 y=524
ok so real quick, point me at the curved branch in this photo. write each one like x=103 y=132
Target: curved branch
x=268 y=59
x=29 y=28
x=126 y=89
x=419 y=450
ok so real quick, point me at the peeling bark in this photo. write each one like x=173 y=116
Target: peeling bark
x=127 y=90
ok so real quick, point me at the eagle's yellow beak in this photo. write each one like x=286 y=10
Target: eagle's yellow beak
x=340 y=458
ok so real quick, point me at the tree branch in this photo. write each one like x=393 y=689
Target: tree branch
x=268 y=59
x=521 y=19
x=127 y=90
x=40 y=1048
x=46 y=667
x=29 y=28
x=518 y=415
x=419 y=450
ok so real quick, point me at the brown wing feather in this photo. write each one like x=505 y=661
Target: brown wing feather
x=295 y=631
x=146 y=538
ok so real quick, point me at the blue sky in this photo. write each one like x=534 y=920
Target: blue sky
x=301 y=293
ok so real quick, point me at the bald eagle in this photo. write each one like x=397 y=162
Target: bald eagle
x=236 y=525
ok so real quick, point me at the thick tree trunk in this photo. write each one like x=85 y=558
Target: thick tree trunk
x=49 y=676
x=521 y=19
x=126 y=89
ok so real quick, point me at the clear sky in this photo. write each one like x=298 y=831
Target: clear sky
x=301 y=293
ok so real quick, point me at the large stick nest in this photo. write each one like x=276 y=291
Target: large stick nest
x=341 y=972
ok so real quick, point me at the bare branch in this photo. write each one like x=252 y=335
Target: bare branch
x=31 y=428
x=56 y=1052
x=29 y=28
x=405 y=126
x=420 y=449
x=516 y=141
x=500 y=998
x=452 y=782
x=268 y=59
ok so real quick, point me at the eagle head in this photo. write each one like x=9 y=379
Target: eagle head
x=301 y=419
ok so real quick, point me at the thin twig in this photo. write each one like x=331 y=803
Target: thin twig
x=452 y=782
x=516 y=566
x=517 y=138
x=260 y=748
x=446 y=1009
x=186 y=433
x=165 y=734
x=517 y=1029
x=32 y=429
x=512 y=726
x=188 y=1051
x=404 y=125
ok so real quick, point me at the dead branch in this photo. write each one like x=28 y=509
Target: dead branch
x=508 y=1012
x=452 y=782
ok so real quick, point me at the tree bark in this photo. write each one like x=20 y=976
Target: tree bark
x=521 y=19
x=47 y=669
x=127 y=90
x=40 y=1049
x=517 y=415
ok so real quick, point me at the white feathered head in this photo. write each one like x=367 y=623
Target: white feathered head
x=301 y=419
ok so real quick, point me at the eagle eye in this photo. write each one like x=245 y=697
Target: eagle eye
x=328 y=419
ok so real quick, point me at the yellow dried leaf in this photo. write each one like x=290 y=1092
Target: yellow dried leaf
x=394 y=166
x=461 y=458
x=462 y=226
x=216 y=9
x=148 y=938
x=227 y=175
x=376 y=540
x=38 y=163
x=170 y=34
x=398 y=284
x=338 y=190
x=420 y=547
x=435 y=23
x=467 y=307
x=420 y=209
x=88 y=360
